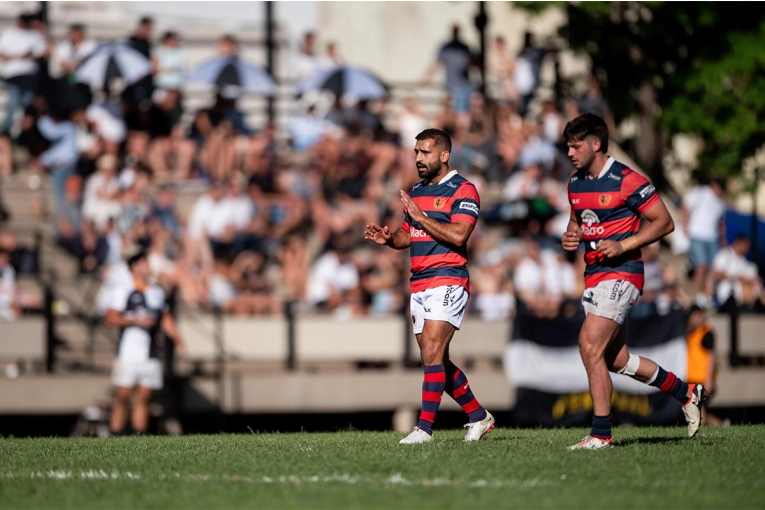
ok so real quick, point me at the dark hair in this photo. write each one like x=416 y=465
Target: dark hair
x=441 y=138
x=695 y=308
x=720 y=182
x=742 y=237
x=229 y=39
x=587 y=125
x=136 y=258
x=169 y=35
x=146 y=20
x=77 y=27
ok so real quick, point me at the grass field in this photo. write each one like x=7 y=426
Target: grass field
x=509 y=468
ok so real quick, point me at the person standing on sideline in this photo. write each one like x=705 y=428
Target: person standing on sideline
x=607 y=201
x=702 y=365
x=138 y=307
x=703 y=217
x=440 y=213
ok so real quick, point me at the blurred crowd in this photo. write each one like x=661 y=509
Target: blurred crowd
x=281 y=220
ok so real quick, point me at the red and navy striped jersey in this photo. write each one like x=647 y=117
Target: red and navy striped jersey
x=609 y=208
x=454 y=199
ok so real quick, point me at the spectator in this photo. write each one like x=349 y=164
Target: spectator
x=738 y=282
x=703 y=221
x=529 y=64
x=168 y=143
x=593 y=101
x=672 y=296
x=9 y=309
x=456 y=59
x=702 y=365
x=61 y=158
x=141 y=38
x=306 y=61
x=332 y=274
x=101 y=197
x=71 y=52
x=168 y=63
x=331 y=59
x=306 y=130
x=69 y=215
x=163 y=210
x=20 y=46
x=410 y=122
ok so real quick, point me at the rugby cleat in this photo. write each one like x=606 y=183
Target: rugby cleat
x=592 y=443
x=480 y=428
x=417 y=436
x=692 y=409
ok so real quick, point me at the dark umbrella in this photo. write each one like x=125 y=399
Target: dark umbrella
x=113 y=60
x=229 y=72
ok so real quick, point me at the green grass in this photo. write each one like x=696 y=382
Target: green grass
x=649 y=468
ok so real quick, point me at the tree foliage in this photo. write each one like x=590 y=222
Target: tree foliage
x=694 y=67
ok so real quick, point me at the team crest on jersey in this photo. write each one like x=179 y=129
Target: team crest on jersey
x=439 y=203
x=604 y=200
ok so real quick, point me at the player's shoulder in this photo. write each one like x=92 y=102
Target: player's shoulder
x=462 y=185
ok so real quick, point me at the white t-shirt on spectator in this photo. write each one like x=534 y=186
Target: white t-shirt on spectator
x=559 y=276
x=305 y=65
x=329 y=274
x=735 y=267
x=109 y=127
x=16 y=42
x=705 y=210
x=66 y=52
x=7 y=291
x=99 y=208
x=495 y=307
x=529 y=276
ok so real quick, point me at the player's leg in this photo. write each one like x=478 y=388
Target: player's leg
x=119 y=414
x=433 y=341
x=691 y=396
x=140 y=417
x=594 y=338
x=429 y=387
x=458 y=388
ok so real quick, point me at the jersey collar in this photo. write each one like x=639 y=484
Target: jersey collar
x=448 y=176
x=606 y=167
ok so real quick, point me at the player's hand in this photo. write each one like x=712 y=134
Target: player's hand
x=143 y=321
x=377 y=234
x=570 y=240
x=411 y=207
x=610 y=249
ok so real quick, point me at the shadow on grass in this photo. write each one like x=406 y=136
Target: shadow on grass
x=651 y=440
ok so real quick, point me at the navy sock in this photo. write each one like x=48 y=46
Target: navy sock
x=671 y=384
x=601 y=427
x=458 y=388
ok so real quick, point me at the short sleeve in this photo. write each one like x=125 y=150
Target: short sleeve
x=466 y=204
x=118 y=300
x=406 y=225
x=639 y=194
x=708 y=342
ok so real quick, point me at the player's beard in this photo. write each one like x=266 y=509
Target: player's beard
x=429 y=171
x=585 y=164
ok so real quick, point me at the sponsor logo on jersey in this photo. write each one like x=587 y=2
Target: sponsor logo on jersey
x=439 y=203
x=647 y=191
x=575 y=201
x=416 y=232
x=473 y=208
x=604 y=200
x=590 y=220
x=452 y=185
x=616 y=177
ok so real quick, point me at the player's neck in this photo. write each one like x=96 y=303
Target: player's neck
x=597 y=165
x=440 y=175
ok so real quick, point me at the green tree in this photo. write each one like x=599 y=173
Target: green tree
x=694 y=67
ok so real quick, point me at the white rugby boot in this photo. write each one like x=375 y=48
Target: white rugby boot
x=592 y=443
x=480 y=428
x=417 y=436
x=692 y=410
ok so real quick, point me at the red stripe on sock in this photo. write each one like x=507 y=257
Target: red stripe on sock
x=458 y=392
x=435 y=377
x=669 y=382
x=432 y=396
x=426 y=416
x=471 y=406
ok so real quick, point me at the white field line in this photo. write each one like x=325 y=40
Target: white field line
x=394 y=480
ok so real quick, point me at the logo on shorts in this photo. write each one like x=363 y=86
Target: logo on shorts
x=439 y=203
x=615 y=290
x=449 y=290
x=589 y=218
x=589 y=297
x=604 y=200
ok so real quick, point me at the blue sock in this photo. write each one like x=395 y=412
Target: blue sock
x=671 y=384
x=601 y=427
x=433 y=385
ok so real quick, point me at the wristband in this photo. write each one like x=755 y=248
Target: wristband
x=630 y=244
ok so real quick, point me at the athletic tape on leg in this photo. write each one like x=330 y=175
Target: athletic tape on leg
x=631 y=368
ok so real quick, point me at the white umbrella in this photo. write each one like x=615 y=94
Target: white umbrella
x=113 y=60
x=230 y=72
x=346 y=80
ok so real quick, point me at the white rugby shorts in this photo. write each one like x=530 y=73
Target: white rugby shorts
x=611 y=299
x=446 y=303
x=129 y=374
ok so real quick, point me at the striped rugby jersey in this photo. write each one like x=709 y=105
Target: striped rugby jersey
x=453 y=199
x=609 y=208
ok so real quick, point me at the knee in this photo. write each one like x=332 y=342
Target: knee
x=430 y=355
x=122 y=398
x=589 y=350
x=626 y=364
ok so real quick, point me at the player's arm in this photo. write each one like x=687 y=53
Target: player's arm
x=170 y=328
x=573 y=235
x=464 y=215
x=398 y=240
x=641 y=197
